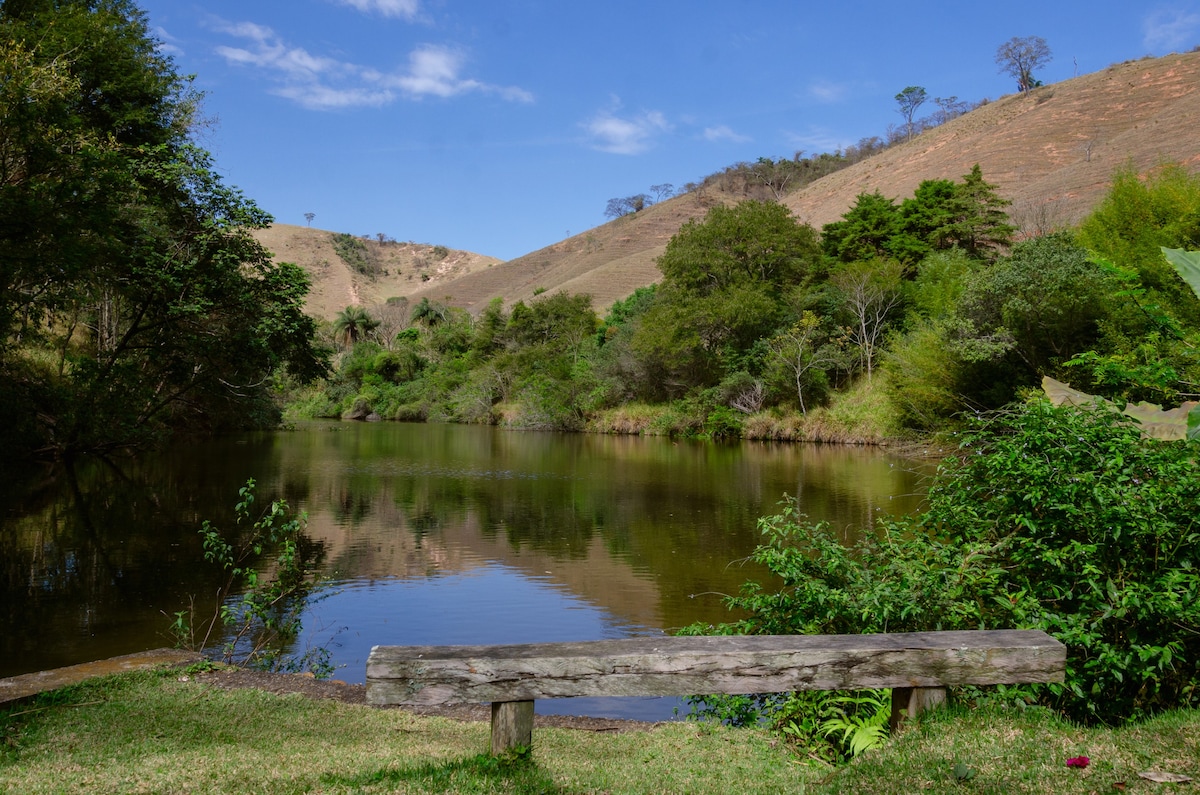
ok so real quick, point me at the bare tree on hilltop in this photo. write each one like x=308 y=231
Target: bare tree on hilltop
x=1019 y=56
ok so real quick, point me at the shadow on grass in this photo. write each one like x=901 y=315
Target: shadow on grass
x=482 y=773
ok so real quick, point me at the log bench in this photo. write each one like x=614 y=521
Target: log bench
x=917 y=666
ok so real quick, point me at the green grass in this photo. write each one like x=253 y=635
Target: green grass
x=1025 y=752
x=146 y=733
x=152 y=733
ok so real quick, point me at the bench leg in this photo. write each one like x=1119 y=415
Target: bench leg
x=512 y=726
x=908 y=702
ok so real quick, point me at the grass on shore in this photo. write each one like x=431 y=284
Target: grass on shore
x=143 y=733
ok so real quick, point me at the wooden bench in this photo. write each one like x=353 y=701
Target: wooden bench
x=918 y=666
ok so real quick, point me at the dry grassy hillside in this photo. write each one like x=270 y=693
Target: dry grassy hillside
x=394 y=269
x=1052 y=152
x=608 y=262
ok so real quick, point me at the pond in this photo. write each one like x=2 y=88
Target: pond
x=428 y=534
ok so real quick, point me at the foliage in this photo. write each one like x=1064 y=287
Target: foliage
x=724 y=286
x=1027 y=315
x=126 y=266
x=354 y=252
x=940 y=216
x=1060 y=519
x=353 y=324
x=1134 y=222
x=260 y=611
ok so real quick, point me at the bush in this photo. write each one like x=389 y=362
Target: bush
x=1061 y=519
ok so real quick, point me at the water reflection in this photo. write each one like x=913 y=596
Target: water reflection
x=431 y=534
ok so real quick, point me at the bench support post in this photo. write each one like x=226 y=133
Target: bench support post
x=908 y=702
x=512 y=726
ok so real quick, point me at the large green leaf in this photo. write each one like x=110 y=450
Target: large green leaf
x=1170 y=425
x=1186 y=264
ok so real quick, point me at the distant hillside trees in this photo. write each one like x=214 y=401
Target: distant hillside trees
x=941 y=215
x=906 y=313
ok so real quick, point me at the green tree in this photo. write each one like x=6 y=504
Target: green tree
x=1025 y=316
x=866 y=230
x=1067 y=520
x=725 y=284
x=978 y=222
x=1135 y=220
x=123 y=257
x=352 y=325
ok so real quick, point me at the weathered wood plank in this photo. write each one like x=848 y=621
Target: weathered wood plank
x=673 y=666
x=512 y=725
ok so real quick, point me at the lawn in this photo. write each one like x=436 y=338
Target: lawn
x=157 y=733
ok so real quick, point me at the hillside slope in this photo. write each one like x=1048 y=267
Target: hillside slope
x=1052 y=153
x=390 y=269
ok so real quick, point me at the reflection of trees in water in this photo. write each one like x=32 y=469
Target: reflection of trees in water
x=96 y=561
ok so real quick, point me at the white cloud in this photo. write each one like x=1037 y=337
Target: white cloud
x=387 y=8
x=824 y=91
x=723 y=133
x=166 y=42
x=1167 y=30
x=625 y=136
x=321 y=83
x=435 y=71
x=817 y=140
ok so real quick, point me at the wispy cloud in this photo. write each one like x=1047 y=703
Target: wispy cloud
x=318 y=82
x=816 y=140
x=1170 y=29
x=625 y=136
x=723 y=133
x=435 y=71
x=827 y=92
x=166 y=42
x=388 y=8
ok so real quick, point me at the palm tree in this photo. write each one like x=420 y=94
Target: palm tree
x=353 y=324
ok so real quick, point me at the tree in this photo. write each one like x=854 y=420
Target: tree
x=979 y=222
x=725 y=284
x=804 y=353
x=123 y=257
x=352 y=325
x=309 y=217
x=663 y=191
x=1025 y=316
x=949 y=108
x=1019 y=56
x=626 y=206
x=865 y=231
x=870 y=291
x=909 y=100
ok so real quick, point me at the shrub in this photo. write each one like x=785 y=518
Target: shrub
x=1061 y=519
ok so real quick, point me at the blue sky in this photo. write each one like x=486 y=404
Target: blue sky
x=501 y=126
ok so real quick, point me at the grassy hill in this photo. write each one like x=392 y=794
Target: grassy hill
x=1052 y=153
x=382 y=269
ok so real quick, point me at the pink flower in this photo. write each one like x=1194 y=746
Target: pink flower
x=1078 y=761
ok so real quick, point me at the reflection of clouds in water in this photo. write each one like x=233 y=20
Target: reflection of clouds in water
x=492 y=604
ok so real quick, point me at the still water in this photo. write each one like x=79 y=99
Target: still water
x=429 y=534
